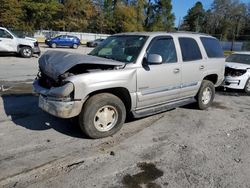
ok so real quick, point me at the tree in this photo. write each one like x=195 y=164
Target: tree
x=11 y=14
x=226 y=18
x=159 y=16
x=76 y=14
x=40 y=14
x=194 y=20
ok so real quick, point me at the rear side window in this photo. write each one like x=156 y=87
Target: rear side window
x=165 y=48
x=212 y=47
x=189 y=49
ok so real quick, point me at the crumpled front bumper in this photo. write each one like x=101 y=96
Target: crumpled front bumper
x=62 y=109
x=57 y=106
x=238 y=82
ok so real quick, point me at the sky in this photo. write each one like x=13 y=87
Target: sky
x=180 y=7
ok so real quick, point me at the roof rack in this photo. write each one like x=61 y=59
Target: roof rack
x=191 y=32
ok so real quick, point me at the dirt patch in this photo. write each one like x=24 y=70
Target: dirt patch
x=146 y=177
x=219 y=105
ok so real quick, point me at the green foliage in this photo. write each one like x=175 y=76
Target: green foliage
x=194 y=20
x=11 y=14
x=98 y=16
x=227 y=18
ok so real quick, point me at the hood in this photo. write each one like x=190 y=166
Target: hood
x=237 y=65
x=26 y=40
x=31 y=39
x=55 y=63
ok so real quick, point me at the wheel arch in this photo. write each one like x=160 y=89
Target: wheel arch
x=120 y=92
x=211 y=77
x=22 y=45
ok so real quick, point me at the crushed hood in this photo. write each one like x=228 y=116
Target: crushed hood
x=238 y=65
x=55 y=63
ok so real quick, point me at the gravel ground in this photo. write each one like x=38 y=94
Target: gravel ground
x=183 y=147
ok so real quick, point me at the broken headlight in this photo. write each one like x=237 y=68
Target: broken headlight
x=234 y=72
x=62 y=91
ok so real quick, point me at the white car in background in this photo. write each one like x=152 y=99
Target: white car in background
x=237 y=71
x=10 y=43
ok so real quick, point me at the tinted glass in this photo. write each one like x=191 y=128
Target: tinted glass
x=189 y=49
x=4 y=34
x=124 y=48
x=239 y=58
x=212 y=47
x=165 y=48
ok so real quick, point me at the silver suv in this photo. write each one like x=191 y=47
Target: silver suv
x=138 y=73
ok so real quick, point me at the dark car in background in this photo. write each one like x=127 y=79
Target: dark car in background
x=63 y=40
x=94 y=43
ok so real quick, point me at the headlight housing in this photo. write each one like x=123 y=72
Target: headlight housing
x=62 y=91
x=234 y=72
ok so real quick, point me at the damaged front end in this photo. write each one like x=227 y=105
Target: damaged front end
x=56 y=93
x=57 y=100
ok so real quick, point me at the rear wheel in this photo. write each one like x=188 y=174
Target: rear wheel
x=247 y=86
x=102 y=115
x=26 y=52
x=205 y=95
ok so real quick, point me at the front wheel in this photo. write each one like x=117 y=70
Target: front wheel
x=247 y=86
x=102 y=115
x=26 y=52
x=205 y=95
x=53 y=45
x=75 y=46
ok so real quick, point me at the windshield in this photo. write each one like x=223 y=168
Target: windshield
x=125 y=48
x=239 y=58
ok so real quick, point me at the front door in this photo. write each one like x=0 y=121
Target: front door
x=7 y=42
x=159 y=83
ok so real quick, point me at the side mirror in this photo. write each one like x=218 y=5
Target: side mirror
x=154 y=59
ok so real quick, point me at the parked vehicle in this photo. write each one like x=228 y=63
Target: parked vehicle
x=10 y=43
x=63 y=40
x=142 y=73
x=94 y=43
x=237 y=71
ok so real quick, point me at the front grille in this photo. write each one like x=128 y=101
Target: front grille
x=234 y=72
x=46 y=81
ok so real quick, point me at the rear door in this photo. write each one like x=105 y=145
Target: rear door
x=159 y=83
x=7 y=42
x=193 y=66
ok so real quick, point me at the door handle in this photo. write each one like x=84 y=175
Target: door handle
x=202 y=67
x=177 y=70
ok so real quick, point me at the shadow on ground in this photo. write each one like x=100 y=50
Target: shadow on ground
x=24 y=111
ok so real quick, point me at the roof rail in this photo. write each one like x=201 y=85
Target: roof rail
x=192 y=32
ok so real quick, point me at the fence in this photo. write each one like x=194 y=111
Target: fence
x=238 y=43
x=84 y=37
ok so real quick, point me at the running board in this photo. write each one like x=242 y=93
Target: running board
x=162 y=107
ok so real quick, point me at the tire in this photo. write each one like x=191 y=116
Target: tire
x=26 y=52
x=94 y=120
x=205 y=95
x=53 y=45
x=75 y=46
x=247 y=86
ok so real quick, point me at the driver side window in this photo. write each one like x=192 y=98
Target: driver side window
x=165 y=48
x=5 y=34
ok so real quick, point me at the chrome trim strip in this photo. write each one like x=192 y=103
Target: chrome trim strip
x=167 y=88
